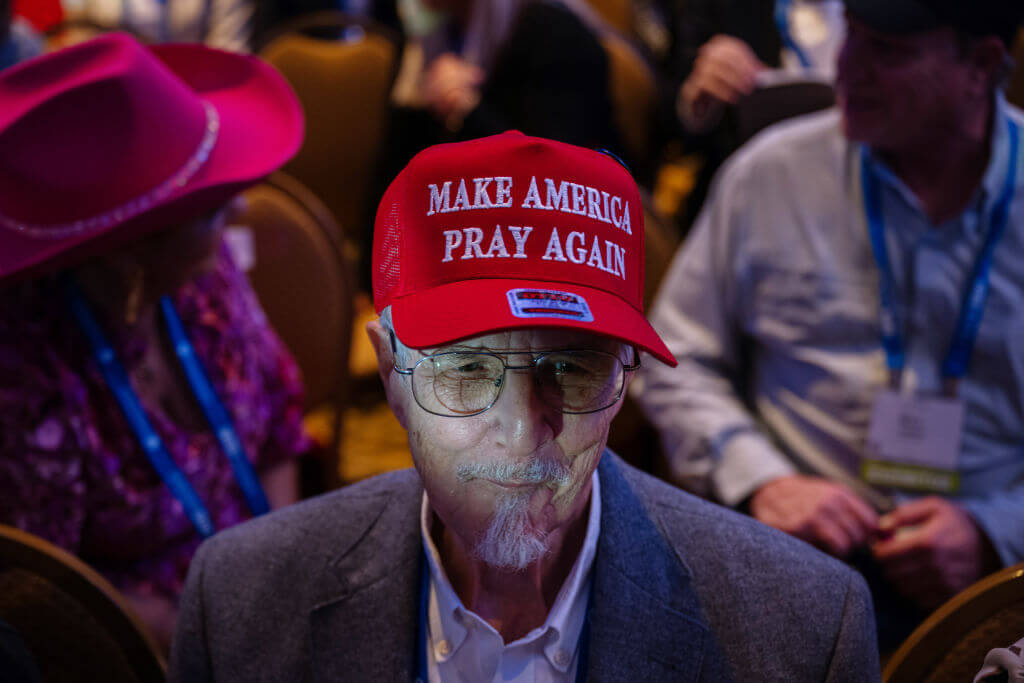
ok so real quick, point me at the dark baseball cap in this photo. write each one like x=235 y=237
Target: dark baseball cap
x=1000 y=18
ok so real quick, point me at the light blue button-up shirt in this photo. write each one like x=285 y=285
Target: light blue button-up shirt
x=778 y=282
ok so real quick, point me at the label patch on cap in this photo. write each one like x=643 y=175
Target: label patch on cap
x=548 y=303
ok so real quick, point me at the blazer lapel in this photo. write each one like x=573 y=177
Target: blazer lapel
x=646 y=621
x=365 y=625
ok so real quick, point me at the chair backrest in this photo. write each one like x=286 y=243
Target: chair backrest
x=618 y=13
x=1015 y=90
x=769 y=105
x=634 y=95
x=342 y=71
x=303 y=281
x=76 y=626
x=661 y=241
x=952 y=643
x=76 y=30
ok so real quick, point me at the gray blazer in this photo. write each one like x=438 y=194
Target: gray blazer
x=327 y=590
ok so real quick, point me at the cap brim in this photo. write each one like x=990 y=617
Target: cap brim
x=261 y=127
x=451 y=312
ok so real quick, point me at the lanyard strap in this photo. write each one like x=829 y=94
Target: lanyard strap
x=422 y=670
x=975 y=296
x=216 y=413
x=152 y=445
x=782 y=8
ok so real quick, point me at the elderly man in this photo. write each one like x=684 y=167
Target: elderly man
x=847 y=313
x=508 y=275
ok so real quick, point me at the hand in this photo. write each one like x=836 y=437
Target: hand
x=724 y=71
x=933 y=551
x=451 y=88
x=827 y=515
x=158 y=613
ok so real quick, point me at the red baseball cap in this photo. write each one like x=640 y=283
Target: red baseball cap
x=512 y=231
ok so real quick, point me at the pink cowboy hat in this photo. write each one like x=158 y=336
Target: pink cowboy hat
x=105 y=141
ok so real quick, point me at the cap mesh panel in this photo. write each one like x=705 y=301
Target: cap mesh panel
x=388 y=265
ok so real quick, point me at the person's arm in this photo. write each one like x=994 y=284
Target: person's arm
x=281 y=484
x=712 y=442
x=231 y=25
x=1000 y=517
x=550 y=79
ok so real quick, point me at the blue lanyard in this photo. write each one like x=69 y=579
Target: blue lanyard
x=423 y=673
x=782 y=24
x=151 y=443
x=973 y=304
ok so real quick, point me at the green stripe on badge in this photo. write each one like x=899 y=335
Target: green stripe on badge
x=911 y=477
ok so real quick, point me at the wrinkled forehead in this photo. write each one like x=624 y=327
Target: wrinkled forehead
x=534 y=340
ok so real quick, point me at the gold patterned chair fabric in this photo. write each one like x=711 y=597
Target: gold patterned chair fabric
x=76 y=626
x=1015 y=91
x=305 y=286
x=618 y=13
x=950 y=646
x=634 y=96
x=342 y=71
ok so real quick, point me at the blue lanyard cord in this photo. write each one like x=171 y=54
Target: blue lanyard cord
x=891 y=315
x=976 y=295
x=152 y=444
x=782 y=24
x=216 y=413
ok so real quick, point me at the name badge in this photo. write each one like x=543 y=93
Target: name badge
x=914 y=443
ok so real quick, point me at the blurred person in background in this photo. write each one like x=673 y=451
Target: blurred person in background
x=722 y=50
x=847 y=314
x=492 y=65
x=144 y=400
x=272 y=17
x=18 y=40
x=225 y=24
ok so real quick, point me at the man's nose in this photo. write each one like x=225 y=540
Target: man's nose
x=524 y=419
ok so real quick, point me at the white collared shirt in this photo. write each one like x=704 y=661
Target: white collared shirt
x=779 y=271
x=463 y=647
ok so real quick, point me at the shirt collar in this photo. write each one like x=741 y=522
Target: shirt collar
x=564 y=621
x=991 y=182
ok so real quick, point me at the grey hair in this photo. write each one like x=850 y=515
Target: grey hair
x=402 y=352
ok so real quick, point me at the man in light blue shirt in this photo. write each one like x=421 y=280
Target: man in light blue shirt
x=774 y=309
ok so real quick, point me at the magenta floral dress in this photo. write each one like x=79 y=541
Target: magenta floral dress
x=71 y=469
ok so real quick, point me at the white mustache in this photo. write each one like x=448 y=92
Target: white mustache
x=535 y=472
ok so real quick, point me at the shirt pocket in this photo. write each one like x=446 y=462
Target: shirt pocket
x=811 y=309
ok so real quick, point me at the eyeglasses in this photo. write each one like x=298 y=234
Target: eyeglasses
x=466 y=383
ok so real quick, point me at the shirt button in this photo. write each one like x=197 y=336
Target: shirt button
x=443 y=649
x=561 y=658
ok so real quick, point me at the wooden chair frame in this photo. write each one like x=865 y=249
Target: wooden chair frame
x=22 y=550
x=930 y=642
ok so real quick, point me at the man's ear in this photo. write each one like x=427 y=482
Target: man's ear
x=988 y=59
x=381 y=341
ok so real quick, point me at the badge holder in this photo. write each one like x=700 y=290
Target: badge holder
x=914 y=440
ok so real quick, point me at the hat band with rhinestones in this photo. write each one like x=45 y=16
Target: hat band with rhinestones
x=135 y=206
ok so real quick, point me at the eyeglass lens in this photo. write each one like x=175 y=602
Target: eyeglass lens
x=465 y=383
